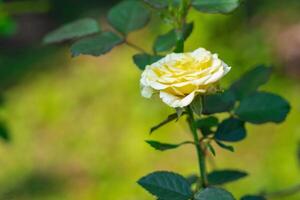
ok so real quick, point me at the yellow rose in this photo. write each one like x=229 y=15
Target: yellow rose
x=179 y=77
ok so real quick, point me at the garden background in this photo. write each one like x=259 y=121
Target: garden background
x=76 y=126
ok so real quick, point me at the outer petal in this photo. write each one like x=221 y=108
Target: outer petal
x=147 y=91
x=175 y=101
x=215 y=76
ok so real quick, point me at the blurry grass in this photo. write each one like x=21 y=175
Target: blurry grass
x=78 y=130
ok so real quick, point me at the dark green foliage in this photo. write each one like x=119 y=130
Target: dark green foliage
x=170 y=118
x=73 y=30
x=128 y=16
x=219 y=102
x=206 y=124
x=215 y=6
x=225 y=146
x=251 y=81
x=96 y=45
x=158 y=4
x=225 y=176
x=143 y=59
x=212 y=193
x=2 y=101
x=253 y=197
x=163 y=146
x=262 y=107
x=231 y=130
x=167 y=41
x=4 y=134
x=167 y=185
x=192 y=179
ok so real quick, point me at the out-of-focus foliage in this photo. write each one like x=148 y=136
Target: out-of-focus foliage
x=64 y=148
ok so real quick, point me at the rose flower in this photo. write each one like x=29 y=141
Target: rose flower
x=179 y=77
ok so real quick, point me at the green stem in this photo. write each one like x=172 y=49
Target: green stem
x=179 y=42
x=135 y=47
x=200 y=152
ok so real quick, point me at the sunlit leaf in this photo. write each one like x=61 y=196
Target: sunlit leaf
x=167 y=185
x=262 y=107
x=212 y=193
x=215 y=6
x=225 y=176
x=76 y=29
x=96 y=45
x=251 y=81
x=128 y=16
x=142 y=60
x=231 y=130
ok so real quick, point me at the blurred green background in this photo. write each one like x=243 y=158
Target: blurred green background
x=77 y=126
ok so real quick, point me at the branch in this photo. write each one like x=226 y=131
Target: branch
x=135 y=47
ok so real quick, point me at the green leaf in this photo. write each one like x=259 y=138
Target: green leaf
x=164 y=146
x=142 y=60
x=215 y=6
x=208 y=122
x=218 y=103
x=76 y=29
x=96 y=45
x=262 y=107
x=225 y=146
x=192 y=179
x=251 y=81
x=170 y=118
x=211 y=149
x=212 y=193
x=4 y=134
x=196 y=105
x=158 y=4
x=167 y=185
x=225 y=176
x=253 y=197
x=167 y=41
x=128 y=16
x=231 y=130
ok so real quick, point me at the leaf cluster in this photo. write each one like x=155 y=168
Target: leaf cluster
x=243 y=102
x=88 y=38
